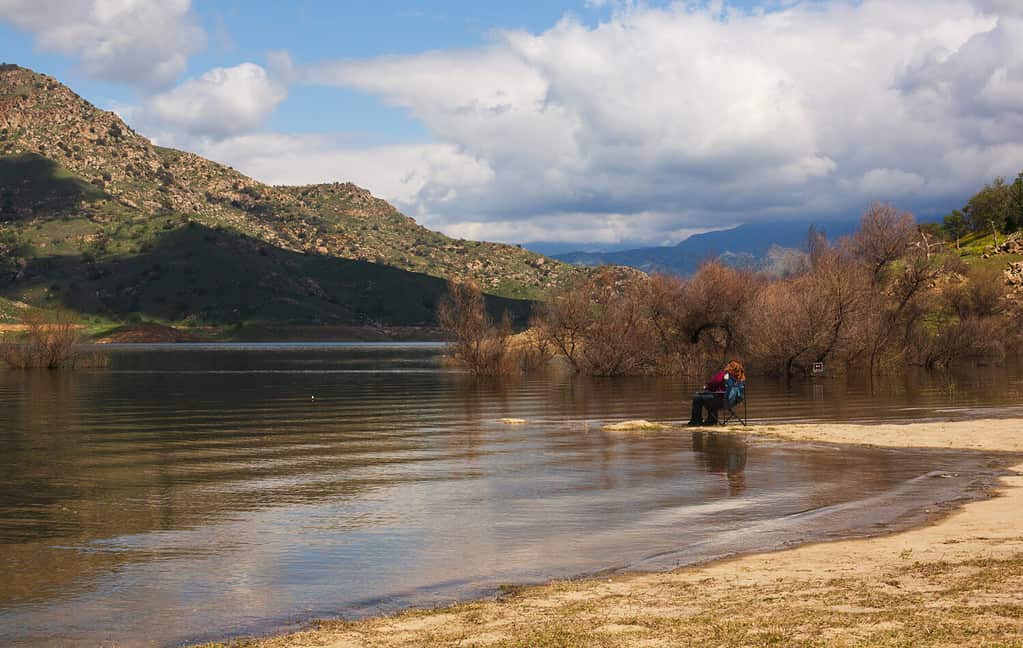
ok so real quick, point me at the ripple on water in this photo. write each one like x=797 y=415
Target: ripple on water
x=207 y=491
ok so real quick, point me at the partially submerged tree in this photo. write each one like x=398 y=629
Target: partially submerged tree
x=716 y=300
x=811 y=317
x=600 y=325
x=478 y=345
x=48 y=343
x=892 y=293
x=562 y=320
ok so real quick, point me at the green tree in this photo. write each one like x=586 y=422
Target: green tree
x=955 y=225
x=990 y=207
x=1015 y=220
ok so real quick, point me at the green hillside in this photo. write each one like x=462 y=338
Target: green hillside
x=95 y=218
x=975 y=250
x=200 y=275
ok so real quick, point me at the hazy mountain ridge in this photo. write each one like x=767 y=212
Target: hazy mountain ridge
x=746 y=245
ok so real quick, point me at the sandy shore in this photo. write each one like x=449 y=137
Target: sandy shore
x=955 y=582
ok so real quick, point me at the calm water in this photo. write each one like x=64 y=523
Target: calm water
x=192 y=493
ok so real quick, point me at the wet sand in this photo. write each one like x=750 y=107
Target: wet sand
x=957 y=581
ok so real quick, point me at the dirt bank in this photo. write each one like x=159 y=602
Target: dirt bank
x=955 y=582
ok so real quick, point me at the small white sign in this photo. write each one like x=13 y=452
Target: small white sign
x=818 y=367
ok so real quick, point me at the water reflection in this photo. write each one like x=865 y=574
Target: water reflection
x=218 y=490
x=723 y=455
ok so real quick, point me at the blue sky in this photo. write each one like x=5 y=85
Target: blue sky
x=590 y=122
x=312 y=31
x=317 y=30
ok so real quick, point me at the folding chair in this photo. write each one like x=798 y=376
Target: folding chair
x=730 y=413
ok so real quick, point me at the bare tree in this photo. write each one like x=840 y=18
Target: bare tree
x=48 y=343
x=715 y=301
x=809 y=318
x=886 y=294
x=884 y=235
x=477 y=344
x=618 y=339
x=561 y=321
x=602 y=325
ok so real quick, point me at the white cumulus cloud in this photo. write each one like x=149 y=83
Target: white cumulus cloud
x=222 y=102
x=144 y=42
x=404 y=174
x=708 y=115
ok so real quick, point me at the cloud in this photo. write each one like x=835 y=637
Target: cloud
x=222 y=102
x=653 y=124
x=982 y=80
x=888 y=184
x=709 y=116
x=407 y=175
x=143 y=42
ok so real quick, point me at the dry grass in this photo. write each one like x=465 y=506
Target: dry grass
x=960 y=603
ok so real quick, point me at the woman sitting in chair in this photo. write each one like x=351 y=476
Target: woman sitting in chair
x=728 y=384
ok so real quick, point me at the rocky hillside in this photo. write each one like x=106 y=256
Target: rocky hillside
x=93 y=216
x=125 y=172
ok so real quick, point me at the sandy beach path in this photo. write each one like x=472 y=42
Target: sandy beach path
x=954 y=582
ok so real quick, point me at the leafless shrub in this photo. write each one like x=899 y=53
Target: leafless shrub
x=562 y=320
x=810 y=318
x=970 y=338
x=715 y=302
x=982 y=294
x=600 y=325
x=893 y=320
x=667 y=315
x=883 y=297
x=617 y=337
x=48 y=342
x=477 y=344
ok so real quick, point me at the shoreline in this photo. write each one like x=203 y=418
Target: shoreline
x=156 y=333
x=952 y=581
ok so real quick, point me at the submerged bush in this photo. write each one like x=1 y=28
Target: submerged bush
x=477 y=344
x=889 y=296
x=48 y=343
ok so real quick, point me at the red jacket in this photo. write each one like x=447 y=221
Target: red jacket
x=718 y=382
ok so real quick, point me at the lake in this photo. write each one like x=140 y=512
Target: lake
x=197 y=492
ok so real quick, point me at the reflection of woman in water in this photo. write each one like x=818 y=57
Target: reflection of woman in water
x=729 y=383
x=723 y=454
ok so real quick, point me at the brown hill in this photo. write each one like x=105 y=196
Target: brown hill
x=120 y=175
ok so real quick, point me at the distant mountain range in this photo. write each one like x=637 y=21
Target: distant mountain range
x=746 y=245
x=95 y=218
